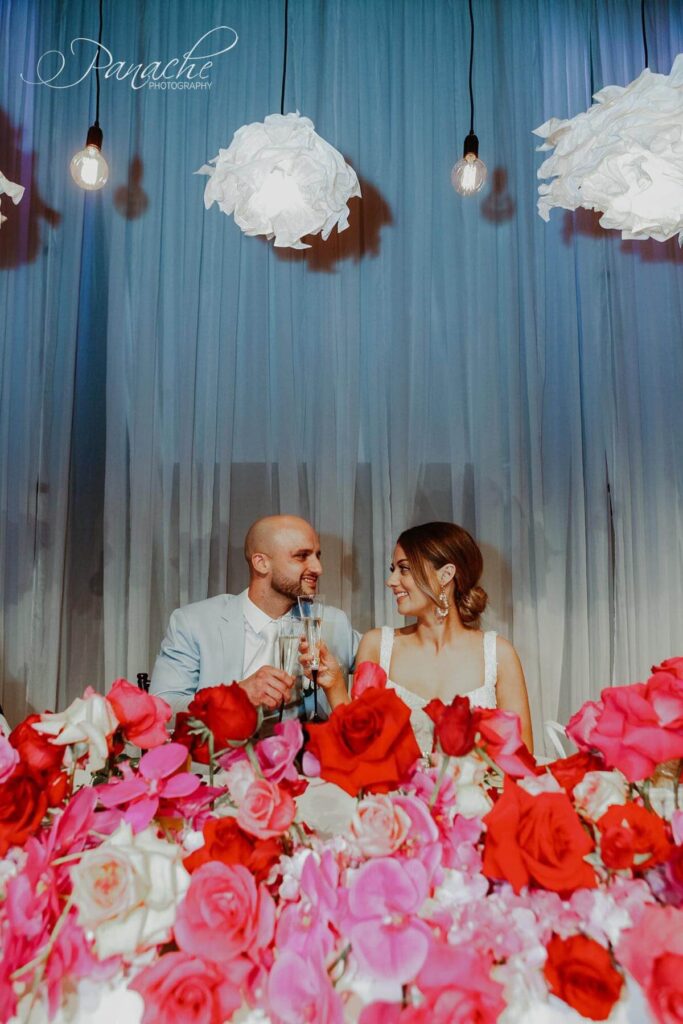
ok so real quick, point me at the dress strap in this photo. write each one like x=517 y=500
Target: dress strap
x=490 y=660
x=385 y=647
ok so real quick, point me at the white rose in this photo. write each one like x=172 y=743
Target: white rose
x=468 y=771
x=127 y=890
x=663 y=800
x=536 y=784
x=86 y=725
x=472 y=801
x=598 y=791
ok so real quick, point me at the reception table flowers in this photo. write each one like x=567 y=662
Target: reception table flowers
x=383 y=886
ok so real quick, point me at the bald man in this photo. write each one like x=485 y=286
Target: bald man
x=231 y=637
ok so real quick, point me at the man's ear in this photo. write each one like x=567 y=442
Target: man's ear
x=260 y=563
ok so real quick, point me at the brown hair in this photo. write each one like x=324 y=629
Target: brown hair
x=433 y=545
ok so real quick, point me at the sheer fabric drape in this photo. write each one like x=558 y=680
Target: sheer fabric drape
x=166 y=379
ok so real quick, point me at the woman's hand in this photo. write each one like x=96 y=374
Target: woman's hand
x=330 y=675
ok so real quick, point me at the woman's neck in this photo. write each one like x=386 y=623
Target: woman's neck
x=435 y=632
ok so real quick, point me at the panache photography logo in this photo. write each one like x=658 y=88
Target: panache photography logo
x=189 y=71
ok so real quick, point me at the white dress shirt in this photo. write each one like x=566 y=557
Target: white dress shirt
x=260 y=637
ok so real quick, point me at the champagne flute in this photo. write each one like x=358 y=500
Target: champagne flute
x=289 y=635
x=312 y=610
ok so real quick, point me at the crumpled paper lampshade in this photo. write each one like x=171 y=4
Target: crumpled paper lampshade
x=281 y=180
x=623 y=156
x=8 y=188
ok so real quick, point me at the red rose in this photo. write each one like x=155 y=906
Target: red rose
x=225 y=841
x=142 y=716
x=197 y=750
x=23 y=803
x=569 y=771
x=632 y=837
x=537 y=840
x=367 y=744
x=580 y=971
x=226 y=711
x=455 y=725
x=41 y=758
x=672 y=666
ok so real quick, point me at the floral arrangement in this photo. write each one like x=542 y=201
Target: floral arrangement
x=474 y=885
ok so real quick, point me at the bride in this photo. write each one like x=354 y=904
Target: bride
x=434 y=577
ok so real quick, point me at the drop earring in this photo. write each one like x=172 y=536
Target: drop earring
x=442 y=610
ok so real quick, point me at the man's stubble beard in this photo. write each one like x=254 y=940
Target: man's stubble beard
x=286 y=588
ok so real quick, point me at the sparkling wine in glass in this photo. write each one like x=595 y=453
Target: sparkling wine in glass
x=289 y=635
x=312 y=610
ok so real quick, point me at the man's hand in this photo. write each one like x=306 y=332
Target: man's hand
x=268 y=686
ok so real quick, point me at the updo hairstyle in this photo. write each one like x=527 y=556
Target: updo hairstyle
x=432 y=545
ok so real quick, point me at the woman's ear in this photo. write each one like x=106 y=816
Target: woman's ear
x=446 y=573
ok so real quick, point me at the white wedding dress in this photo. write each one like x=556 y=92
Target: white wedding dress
x=423 y=727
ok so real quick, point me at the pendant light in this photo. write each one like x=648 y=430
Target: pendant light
x=88 y=167
x=622 y=157
x=280 y=179
x=469 y=174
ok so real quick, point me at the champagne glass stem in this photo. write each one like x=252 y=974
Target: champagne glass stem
x=314 y=677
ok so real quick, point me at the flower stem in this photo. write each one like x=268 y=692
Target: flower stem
x=253 y=759
x=439 y=779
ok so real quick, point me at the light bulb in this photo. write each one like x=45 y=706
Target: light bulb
x=469 y=174
x=88 y=167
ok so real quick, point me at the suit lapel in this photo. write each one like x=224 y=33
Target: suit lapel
x=231 y=626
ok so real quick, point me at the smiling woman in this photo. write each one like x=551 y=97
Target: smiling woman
x=435 y=579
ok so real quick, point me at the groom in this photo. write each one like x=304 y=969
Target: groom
x=234 y=637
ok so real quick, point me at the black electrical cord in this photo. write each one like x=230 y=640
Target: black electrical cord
x=642 y=22
x=471 y=64
x=97 y=72
x=284 y=59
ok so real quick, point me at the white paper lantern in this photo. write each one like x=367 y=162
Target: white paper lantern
x=623 y=156
x=8 y=188
x=282 y=180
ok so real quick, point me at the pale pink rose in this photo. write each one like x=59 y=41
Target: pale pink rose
x=389 y=939
x=599 y=790
x=277 y=752
x=301 y=990
x=224 y=914
x=653 y=953
x=379 y=826
x=9 y=759
x=104 y=885
x=265 y=810
x=142 y=716
x=127 y=889
x=238 y=777
x=181 y=989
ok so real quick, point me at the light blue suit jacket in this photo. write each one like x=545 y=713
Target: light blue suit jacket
x=204 y=646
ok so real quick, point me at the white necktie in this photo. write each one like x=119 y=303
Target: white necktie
x=270 y=633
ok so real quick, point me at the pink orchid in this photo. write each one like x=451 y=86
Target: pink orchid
x=389 y=940
x=157 y=778
x=301 y=990
x=303 y=927
x=71 y=958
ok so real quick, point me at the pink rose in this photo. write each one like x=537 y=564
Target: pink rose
x=142 y=716
x=637 y=727
x=457 y=983
x=300 y=990
x=224 y=914
x=276 y=753
x=367 y=676
x=653 y=953
x=265 y=810
x=581 y=724
x=180 y=988
x=674 y=666
x=500 y=734
x=379 y=826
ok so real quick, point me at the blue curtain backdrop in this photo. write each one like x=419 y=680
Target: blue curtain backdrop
x=166 y=379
